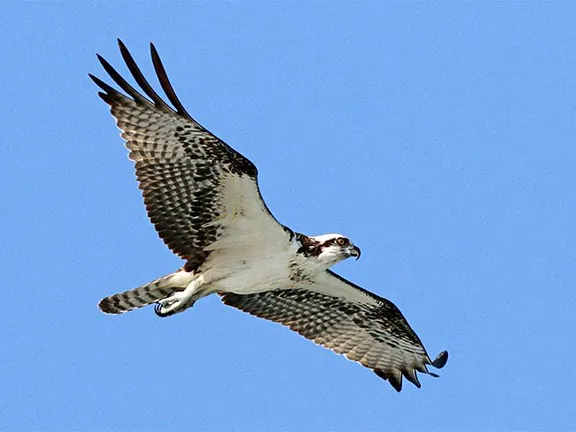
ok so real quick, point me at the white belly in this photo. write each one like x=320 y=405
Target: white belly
x=250 y=272
x=264 y=275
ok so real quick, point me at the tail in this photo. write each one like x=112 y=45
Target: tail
x=146 y=294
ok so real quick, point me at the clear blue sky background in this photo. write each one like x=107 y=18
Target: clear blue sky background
x=440 y=139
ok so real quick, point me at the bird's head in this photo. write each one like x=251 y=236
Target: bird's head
x=328 y=249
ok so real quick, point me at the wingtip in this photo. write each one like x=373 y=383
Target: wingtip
x=121 y=45
x=107 y=66
x=412 y=376
x=96 y=80
x=394 y=380
x=108 y=91
x=105 y=97
x=440 y=360
x=153 y=49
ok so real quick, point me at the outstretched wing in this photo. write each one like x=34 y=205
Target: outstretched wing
x=196 y=188
x=349 y=320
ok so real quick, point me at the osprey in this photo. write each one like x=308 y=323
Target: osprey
x=203 y=198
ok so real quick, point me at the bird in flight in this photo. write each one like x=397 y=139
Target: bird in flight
x=204 y=201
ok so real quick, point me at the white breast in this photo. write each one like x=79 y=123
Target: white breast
x=242 y=270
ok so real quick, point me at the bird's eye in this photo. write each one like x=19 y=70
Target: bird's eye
x=341 y=241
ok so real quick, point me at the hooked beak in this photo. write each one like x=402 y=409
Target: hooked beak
x=355 y=251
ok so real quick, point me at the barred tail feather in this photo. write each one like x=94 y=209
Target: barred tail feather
x=146 y=294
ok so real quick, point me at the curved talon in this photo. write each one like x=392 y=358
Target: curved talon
x=168 y=306
x=158 y=310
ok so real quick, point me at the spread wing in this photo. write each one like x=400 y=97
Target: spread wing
x=196 y=188
x=349 y=320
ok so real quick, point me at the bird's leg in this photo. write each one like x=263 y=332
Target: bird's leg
x=179 y=301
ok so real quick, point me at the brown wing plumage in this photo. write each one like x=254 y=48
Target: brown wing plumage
x=190 y=179
x=349 y=320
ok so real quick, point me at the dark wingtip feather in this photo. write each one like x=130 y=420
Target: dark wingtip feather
x=380 y=373
x=118 y=79
x=440 y=360
x=165 y=82
x=395 y=381
x=140 y=79
x=105 y=97
x=109 y=92
x=102 y=84
x=410 y=375
x=103 y=61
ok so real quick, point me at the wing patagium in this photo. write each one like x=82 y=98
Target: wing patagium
x=190 y=179
x=348 y=320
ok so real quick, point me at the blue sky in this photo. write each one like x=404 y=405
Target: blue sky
x=440 y=139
